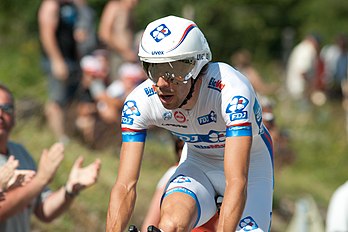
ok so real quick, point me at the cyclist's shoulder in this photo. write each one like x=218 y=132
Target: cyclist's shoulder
x=143 y=92
x=221 y=71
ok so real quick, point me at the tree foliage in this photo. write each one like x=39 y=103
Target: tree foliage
x=228 y=25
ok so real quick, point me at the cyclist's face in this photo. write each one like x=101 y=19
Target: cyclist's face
x=170 y=94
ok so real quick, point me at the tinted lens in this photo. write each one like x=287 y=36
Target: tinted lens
x=7 y=108
x=174 y=72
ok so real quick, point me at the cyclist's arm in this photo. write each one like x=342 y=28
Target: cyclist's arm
x=123 y=193
x=236 y=164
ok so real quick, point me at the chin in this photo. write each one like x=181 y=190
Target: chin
x=169 y=106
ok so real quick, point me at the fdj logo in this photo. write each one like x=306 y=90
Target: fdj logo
x=205 y=119
x=248 y=224
x=236 y=106
x=237 y=116
x=181 y=179
x=160 y=32
x=127 y=121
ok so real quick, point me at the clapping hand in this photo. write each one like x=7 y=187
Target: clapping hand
x=49 y=162
x=82 y=177
x=20 y=178
x=7 y=171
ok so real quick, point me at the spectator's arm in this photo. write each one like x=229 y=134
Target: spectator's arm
x=19 y=198
x=48 y=18
x=59 y=201
x=106 y=22
x=54 y=205
x=48 y=23
x=116 y=40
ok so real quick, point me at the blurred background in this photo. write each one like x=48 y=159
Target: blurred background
x=311 y=158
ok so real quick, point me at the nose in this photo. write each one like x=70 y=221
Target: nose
x=162 y=82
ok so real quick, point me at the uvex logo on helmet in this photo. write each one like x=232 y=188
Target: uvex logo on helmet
x=157 y=53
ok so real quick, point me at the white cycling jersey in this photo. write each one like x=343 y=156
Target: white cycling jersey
x=227 y=106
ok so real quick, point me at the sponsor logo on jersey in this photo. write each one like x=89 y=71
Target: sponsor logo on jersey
x=167 y=115
x=244 y=126
x=150 y=90
x=211 y=146
x=205 y=119
x=130 y=109
x=216 y=84
x=179 y=116
x=211 y=137
x=160 y=32
x=248 y=224
x=174 y=125
x=181 y=179
x=235 y=108
x=258 y=114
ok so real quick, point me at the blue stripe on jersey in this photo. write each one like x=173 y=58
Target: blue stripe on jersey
x=239 y=130
x=134 y=136
x=190 y=193
x=266 y=137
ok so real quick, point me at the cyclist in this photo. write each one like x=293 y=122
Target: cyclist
x=214 y=109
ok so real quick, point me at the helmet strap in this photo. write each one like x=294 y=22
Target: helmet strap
x=189 y=95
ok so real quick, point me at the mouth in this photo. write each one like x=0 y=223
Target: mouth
x=166 y=98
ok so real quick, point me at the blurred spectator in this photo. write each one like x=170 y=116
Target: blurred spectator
x=35 y=197
x=304 y=68
x=101 y=97
x=337 y=214
x=116 y=32
x=110 y=102
x=335 y=57
x=242 y=61
x=95 y=68
x=153 y=214
x=269 y=118
x=307 y=217
x=57 y=20
x=85 y=29
x=283 y=155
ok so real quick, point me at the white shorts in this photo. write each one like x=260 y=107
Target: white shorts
x=204 y=180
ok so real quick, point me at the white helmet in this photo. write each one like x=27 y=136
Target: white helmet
x=171 y=39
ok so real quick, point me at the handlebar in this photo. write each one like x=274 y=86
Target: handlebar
x=133 y=228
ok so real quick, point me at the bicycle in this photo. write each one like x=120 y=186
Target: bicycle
x=133 y=228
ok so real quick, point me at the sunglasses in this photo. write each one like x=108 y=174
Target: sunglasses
x=7 y=108
x=177 y=72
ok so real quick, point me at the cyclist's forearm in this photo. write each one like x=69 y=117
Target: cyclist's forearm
x=232 y=207
x=120 y=209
